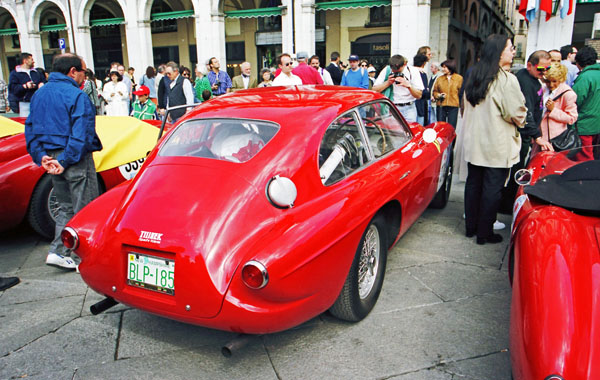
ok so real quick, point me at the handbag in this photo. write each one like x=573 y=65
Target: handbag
x=568 y=139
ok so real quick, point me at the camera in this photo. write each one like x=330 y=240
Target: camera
x=399 y=74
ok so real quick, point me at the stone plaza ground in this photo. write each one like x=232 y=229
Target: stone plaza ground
x=443 y=314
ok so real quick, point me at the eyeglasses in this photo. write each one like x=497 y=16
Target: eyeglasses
x=287 y=64
x=186 y=74
x=542 y=68
x=363 y=65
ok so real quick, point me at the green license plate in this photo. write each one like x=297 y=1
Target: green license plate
x=150 y=272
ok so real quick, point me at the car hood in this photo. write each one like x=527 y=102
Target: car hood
x=207 y=218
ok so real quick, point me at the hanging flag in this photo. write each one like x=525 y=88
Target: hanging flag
x=546 y=6
x=532 y=7
x=523 y=8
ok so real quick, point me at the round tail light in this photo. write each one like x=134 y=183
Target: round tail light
x=69 y=238
x=255 y=275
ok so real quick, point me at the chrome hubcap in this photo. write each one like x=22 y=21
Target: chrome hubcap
x=368 y=266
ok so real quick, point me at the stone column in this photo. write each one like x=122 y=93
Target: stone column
x=551 y=34
x=410 y=26
x=210 y=37
x=83 y=38
x=144 y=50
x=596 y=26
x=31 y=42
x=287 y=26
x=304 y=35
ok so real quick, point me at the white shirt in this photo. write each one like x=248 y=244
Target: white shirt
x=326 y=76
x=246 y=80
x=287 y=80
x=401 y=93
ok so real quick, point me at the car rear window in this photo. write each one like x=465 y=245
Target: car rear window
x=235 y=140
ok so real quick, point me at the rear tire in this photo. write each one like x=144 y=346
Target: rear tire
x=365 y=279
x=42 y=201
x=441 y=197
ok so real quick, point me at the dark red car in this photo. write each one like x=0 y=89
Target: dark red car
x=26 y=189
x=264 y=208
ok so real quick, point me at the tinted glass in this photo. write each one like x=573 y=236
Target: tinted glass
x=342 y=149
x=235 y=140
x=386 y=131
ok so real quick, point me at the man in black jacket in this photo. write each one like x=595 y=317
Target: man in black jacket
x=180 y=91
x=334 y=68
x=23 y=82
x=529 y=79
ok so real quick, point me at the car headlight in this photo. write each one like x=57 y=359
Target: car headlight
x=69 y=238
x=254 y=275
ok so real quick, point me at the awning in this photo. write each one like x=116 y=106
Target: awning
x=53 y=28
x=253 y=13
x=107 y=21
x=8 y=32
x=171 y=15
x=352 y=4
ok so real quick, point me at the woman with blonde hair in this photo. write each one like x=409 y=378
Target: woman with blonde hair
x=560 y=104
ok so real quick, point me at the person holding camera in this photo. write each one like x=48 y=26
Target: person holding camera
x=445 y=92
x=220 y=81
x=402 y=85
x=23 y=82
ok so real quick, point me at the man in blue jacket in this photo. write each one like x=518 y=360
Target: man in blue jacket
x=23 y=82
x=61 y=136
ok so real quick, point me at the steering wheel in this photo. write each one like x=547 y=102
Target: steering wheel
x=383 y=139
x=348 y=143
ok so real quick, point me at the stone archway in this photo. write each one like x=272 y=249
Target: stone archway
x=10 y=44
x=51 y=21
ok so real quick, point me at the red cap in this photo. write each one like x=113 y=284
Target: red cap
x=142 y=91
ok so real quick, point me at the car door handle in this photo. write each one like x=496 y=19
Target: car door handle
x=405 y=175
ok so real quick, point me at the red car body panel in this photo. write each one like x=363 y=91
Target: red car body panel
x=555 y=307
x=19 y=175
x=213 y=216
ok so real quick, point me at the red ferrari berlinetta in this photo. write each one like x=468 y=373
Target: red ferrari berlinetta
x=264 y=208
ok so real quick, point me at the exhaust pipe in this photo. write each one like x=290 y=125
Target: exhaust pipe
x=236 y=344
x=103 y=305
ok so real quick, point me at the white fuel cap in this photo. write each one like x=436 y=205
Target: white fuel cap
x=281 y=192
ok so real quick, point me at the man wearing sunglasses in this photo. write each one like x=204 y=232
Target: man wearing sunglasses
x=286 y=77
x=529 y=79
x=63 y=145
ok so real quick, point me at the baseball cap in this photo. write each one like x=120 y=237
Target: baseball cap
x=353 y=57
x=142 y=91
x=371 y=69
x=302 y=55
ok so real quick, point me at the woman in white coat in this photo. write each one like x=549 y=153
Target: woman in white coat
x=116 y=95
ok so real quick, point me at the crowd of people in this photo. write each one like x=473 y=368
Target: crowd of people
x=502 y=119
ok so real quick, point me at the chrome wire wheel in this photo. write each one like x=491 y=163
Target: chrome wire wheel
x=53 y=205
x=369 y=262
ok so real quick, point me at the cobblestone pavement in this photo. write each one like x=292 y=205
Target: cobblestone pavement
x=443 y=314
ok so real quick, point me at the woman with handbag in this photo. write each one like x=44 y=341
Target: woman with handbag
x=560 y=108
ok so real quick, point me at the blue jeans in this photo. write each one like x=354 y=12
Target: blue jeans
x=409 y=112
x=74 y=188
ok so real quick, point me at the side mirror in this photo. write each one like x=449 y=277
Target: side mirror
x=523 y=177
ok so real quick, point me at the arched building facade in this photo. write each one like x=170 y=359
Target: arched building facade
x=141 y=33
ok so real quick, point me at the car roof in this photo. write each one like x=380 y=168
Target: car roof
x=290 y=105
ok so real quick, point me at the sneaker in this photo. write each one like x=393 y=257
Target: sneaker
x=499 y=225
x=60 y=261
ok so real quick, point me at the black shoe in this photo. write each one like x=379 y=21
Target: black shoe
x=7 y=282
x=470 y=233
x=494 y=238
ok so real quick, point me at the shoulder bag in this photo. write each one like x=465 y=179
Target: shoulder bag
x=568 y=139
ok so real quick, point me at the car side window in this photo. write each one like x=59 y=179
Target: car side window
x=385 y=130
x=342 y=149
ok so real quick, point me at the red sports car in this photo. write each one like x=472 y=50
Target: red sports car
x=26 y=189
x=265 y=208
x=555 y=269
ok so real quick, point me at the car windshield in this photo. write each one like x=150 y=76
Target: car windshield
x=571 y=180
x=235 y=140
